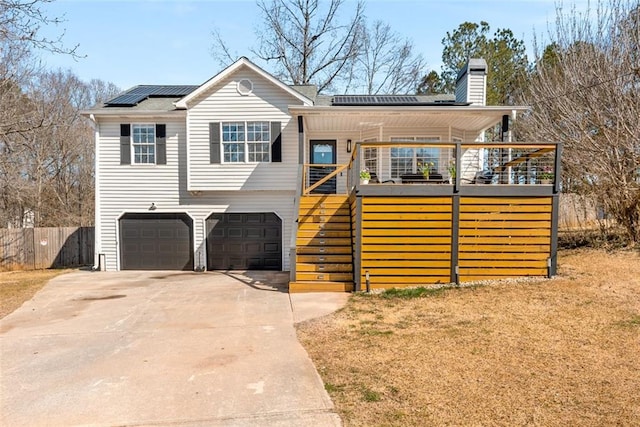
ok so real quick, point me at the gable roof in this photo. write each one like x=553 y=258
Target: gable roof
x=242 y=62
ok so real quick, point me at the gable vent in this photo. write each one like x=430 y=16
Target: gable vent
x=245 y=87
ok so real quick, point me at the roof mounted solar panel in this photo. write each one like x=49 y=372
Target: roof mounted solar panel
x=140 y=90
x=371 y=100
x=139 y=93
x=396 y=99
x=173 y=90
x=128 y=99
x=352 y=99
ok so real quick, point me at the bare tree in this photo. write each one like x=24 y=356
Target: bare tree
x=220 y=50
x=17 y=68
x=45 y=146
x=386 y=63
x=308 y=40
x=20 y=25
x=21 y=21
x=47 y=170
x=586 y=94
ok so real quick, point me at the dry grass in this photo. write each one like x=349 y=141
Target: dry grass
x=16 y=287
x=564 y=351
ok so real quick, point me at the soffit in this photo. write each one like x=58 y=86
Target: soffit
x=336 y=119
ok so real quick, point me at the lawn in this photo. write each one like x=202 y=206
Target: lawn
x=16 y=287
x=564 y=351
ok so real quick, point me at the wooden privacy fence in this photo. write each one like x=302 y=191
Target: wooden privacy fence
x=48 y=247
x=578 y=212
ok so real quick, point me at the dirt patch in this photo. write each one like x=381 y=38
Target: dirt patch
x=544 y=352
x=16 y=287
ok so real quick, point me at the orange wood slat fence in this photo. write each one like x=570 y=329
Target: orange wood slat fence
x=504 y=237
x=408 y=241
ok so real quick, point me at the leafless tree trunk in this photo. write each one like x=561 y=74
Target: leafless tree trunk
x=586 y=94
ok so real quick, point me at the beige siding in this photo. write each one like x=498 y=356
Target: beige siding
x=470 y=163
x=266 y=103
x=132 y=188
x=462 y=88
x=477 y=92
x=472 y=88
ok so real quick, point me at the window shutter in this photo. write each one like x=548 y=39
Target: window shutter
x=125 y=144
x=214 y=142
x=161 y=144
x=276 y=142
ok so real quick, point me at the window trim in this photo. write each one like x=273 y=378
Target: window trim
x=133 y=144
x=246 y=142
x=369 y=150
x=414 y=138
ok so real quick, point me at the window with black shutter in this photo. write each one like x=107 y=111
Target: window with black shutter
x=245 y=142
x=143 y=144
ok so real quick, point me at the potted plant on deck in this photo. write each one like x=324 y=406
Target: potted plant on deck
x=452 y=171
x=546 y=175
x=426 y=169
x=365 y=176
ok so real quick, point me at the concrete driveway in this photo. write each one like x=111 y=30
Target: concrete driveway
x=163 y=348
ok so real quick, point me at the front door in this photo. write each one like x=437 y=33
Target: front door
x=323 y=152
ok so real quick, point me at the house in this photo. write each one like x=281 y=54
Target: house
x=246 y=172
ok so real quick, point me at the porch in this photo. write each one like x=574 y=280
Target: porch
x=432 y=212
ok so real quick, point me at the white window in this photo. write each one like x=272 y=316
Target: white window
x=258 y=141
x=407 y=160
x=143 y=143
x=370 y=157
x=246 y=142
x=233 y=141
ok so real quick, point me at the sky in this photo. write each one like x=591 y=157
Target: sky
x=131 y=42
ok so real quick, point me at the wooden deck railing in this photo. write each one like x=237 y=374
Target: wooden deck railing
x=323 y=177
x=409 y=231
x=458 y=163
x=455 y=164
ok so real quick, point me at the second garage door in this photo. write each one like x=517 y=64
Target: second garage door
x=244 y=241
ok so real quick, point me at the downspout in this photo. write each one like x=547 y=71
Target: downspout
x=356 y=241
x=294 y=226
x=552 y=262
x=98 y=258
x=296 y=200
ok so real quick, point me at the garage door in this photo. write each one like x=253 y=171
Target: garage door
x=244 y=241
x=158 y=241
